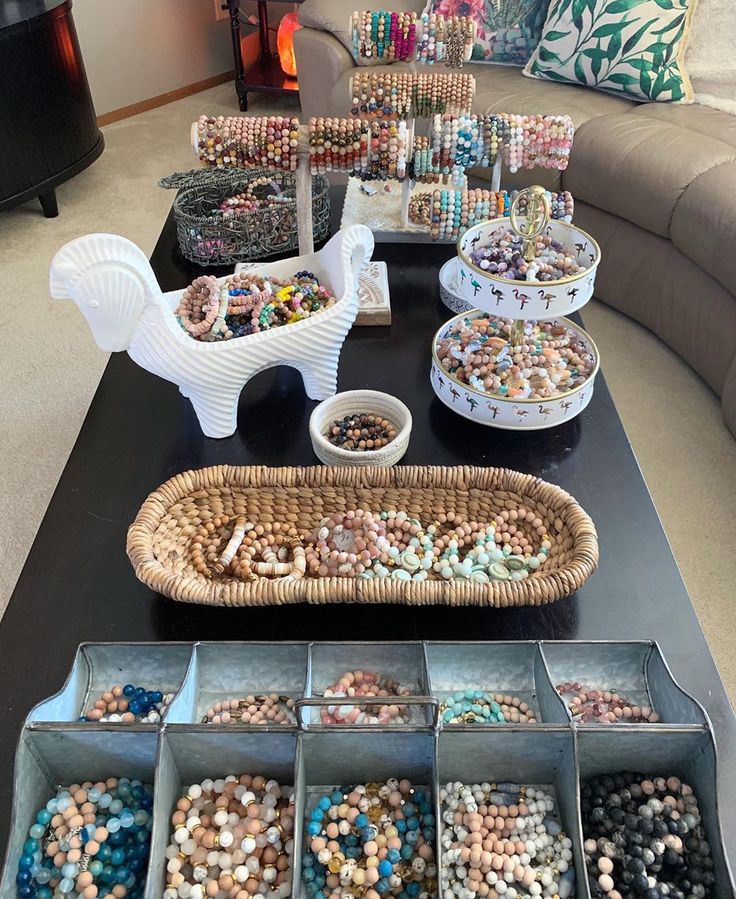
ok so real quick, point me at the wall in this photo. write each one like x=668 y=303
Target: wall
x=138 y=49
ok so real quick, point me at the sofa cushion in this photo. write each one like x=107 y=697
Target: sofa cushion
x=334 y=16
x=708 y=122
x=505 y=89
x=704 y=223
x=638 y=167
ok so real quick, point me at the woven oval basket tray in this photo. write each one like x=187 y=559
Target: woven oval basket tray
x=161 y=537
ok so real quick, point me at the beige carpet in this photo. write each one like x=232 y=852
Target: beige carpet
x=51 y=367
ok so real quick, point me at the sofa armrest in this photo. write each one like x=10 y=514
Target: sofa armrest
x=320 y=61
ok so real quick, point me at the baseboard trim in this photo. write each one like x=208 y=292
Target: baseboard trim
x=125 y=112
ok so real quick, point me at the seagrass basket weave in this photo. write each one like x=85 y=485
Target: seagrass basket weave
x=161 y=537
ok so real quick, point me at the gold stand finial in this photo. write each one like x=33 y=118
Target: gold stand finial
x=537 y=216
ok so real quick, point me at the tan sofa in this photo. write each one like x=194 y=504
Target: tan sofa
x=655 y=184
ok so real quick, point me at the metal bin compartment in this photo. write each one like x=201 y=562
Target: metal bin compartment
x=687 y=754
x=187 y=758
x=403 y=662
x=336 y=757
x=522 y=756
x=232 y=670
x=99 y=666
x=509 y=667
x=636 y=670
x=51 y=757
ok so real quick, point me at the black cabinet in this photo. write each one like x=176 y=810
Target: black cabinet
x=48 y=128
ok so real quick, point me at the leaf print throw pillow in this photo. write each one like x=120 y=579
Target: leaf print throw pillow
x=633 y=47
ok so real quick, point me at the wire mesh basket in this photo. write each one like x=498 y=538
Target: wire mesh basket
x=209 y=237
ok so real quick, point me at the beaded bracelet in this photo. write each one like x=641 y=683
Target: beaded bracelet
x=129 y=705
x=371 y=149
x=231 y=835
x=387 y=94
x=247 y=141
x=246 y=304
x=252 y=709
x=604 y=706
x=381 y=695
x=371 y=840
x=481 y=707
x=91 y=839
x=504 y=839
x=476 y=205
x=551 y=359
x=645 y=835
x=445 y=39
x=468 y=139
x=386 y=36
x=359 y=543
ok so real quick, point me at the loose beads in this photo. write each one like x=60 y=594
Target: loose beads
x=361 y=432
x=503 y=840
x=388 y=94
x=252 y=709
x=383 y=690
x=359 y=543
x=644 y=836
x=552 y=358
x=477 y=205
x=604 y=706
x=245 y=304
x=481 y=707
x=91 y=839
x=504 y=257
x=247 y=141
x=371 y=840
x=129 y=705
x=231 y=835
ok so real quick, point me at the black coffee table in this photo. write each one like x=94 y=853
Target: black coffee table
x=78 y=585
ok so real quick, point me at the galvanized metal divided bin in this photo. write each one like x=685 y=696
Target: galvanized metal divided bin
x=55 y=747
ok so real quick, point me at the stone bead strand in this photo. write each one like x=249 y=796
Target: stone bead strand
x=471 y=139
x=476 y=205
x=383 y=36
x=551 y=360
x=91 y=841
x=128 y=705
x=247 y=141
x=371 y=840
x=360 y=543
x=252 y=709
x=590 y=705
x=401 y=94
x=644 y=836
x=361 y=432
x=503 y=841
x=246 y=304
x=371 y=149
x=231 y=837
x=481 y=707
x=381 y=695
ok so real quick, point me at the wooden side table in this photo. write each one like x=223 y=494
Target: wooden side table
x=265 y=74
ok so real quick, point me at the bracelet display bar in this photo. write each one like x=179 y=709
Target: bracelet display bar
x=56 y=747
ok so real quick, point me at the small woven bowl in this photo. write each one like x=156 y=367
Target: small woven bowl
x=351 y=402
